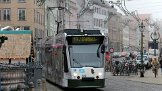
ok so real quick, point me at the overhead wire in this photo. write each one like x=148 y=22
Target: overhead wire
x=133 y=14
x=146 y=5
x=141 y=8
x=126 y=7
x=127 y=12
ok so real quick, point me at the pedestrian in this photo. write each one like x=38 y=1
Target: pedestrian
x=160 y=61
x=155 y=65
x=108 y=61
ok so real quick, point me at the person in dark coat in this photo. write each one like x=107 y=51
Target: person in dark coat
x=160 y=61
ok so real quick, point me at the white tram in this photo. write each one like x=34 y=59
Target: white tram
x=76 y=59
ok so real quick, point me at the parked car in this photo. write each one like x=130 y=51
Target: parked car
x=146 y=61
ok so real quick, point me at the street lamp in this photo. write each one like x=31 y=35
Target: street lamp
x=141 y=27
x=154 y=36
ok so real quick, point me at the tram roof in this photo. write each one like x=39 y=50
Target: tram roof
x=82 y=32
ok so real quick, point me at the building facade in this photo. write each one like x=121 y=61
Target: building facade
x=51 y=15
x=131 y=35
x=23 y=14
x=71 y=14
x=134 y=39
x=92 y=14
x=62 y=13
x=116 y=32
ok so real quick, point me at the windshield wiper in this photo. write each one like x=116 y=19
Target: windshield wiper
x=98 y=54
x=77 y=62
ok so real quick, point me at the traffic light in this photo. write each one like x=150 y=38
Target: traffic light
x=2 y=39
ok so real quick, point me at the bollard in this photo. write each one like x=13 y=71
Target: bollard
x=31 y=86
x=39 y=83
x=44 y=85
x=20 y=87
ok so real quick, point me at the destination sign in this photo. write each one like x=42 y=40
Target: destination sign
x=85 y=40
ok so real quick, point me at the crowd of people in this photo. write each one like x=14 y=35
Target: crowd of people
x=155 y=62
x=121 y=66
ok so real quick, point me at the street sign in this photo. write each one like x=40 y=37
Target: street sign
x=111 y=50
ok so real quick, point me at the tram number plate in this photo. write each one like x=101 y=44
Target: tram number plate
x=88 y=78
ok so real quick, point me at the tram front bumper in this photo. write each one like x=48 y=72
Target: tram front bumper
x=78 y=83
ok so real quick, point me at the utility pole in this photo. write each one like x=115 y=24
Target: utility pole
x=60 y=16
x=141 y=26
x=58 y=25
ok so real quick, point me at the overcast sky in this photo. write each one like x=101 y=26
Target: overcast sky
x=153 y=7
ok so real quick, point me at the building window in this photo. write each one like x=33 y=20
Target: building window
x=36 y=33
x=99 y=11
x=6 y=14
x=21 y=14
x=0 y=14
x=40 y=17
x=17 y=28
x=6 y=1
x=26 y=28
x=21 y=1
x=22 y=27
x=35 y=16
x=97 y=24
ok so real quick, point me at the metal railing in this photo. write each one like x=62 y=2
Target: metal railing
x=14 y=76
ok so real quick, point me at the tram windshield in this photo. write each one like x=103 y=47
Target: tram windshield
x=86 y=56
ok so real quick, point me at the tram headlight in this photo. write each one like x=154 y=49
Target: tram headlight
x=100 y=74
x=75 y=74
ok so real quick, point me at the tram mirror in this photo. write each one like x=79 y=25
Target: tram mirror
x=49 y=49
x=103 y=49
x=64 y=49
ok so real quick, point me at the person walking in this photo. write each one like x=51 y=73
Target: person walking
x=160 y=61
x=108 y=62
x=155 y=65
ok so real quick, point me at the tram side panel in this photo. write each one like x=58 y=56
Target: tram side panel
x=56 y=67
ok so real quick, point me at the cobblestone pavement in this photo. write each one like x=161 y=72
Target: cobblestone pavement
x=148 y=77
x=123 y=83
